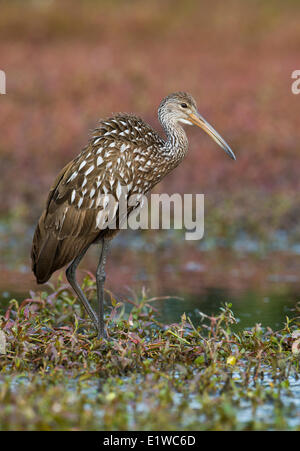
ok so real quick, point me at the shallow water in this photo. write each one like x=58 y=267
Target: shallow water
x=262 y=288
x=265 y=412
x=249 y=307
x=270 y=310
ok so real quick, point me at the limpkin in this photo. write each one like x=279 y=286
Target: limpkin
x=123 y=151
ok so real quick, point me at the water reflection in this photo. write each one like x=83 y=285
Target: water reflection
x=249 y=307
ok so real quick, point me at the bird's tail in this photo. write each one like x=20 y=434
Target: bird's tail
x=44 y=247
x=51 y=252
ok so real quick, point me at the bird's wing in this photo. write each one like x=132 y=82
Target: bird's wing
x=77 y=205
x=112 y=164
x=77 y=210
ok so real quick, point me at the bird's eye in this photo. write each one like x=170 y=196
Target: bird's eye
x=184 y=105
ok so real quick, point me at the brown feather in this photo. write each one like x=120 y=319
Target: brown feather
x=53 y=243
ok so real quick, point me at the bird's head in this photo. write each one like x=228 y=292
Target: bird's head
x=180 y=107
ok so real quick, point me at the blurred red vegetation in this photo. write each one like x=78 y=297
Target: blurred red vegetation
x=69 y=64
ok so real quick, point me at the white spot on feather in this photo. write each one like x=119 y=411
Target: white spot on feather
x=75 y=173
x=83 y=163
x=99 y=161
x=110 y=132
x=89 y=170
x=124 y=147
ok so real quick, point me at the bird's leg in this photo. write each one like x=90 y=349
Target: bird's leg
x=100 y=279
x=71 y=276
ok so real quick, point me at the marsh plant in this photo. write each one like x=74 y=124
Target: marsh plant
x=148 y=375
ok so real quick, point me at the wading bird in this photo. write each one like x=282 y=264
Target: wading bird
x=123 y=151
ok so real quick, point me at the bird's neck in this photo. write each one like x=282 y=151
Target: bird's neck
x=176 y=144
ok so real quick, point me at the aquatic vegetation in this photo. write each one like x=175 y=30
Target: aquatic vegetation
x=55 y=374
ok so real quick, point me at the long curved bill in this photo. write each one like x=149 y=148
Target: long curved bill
x=198 y=120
